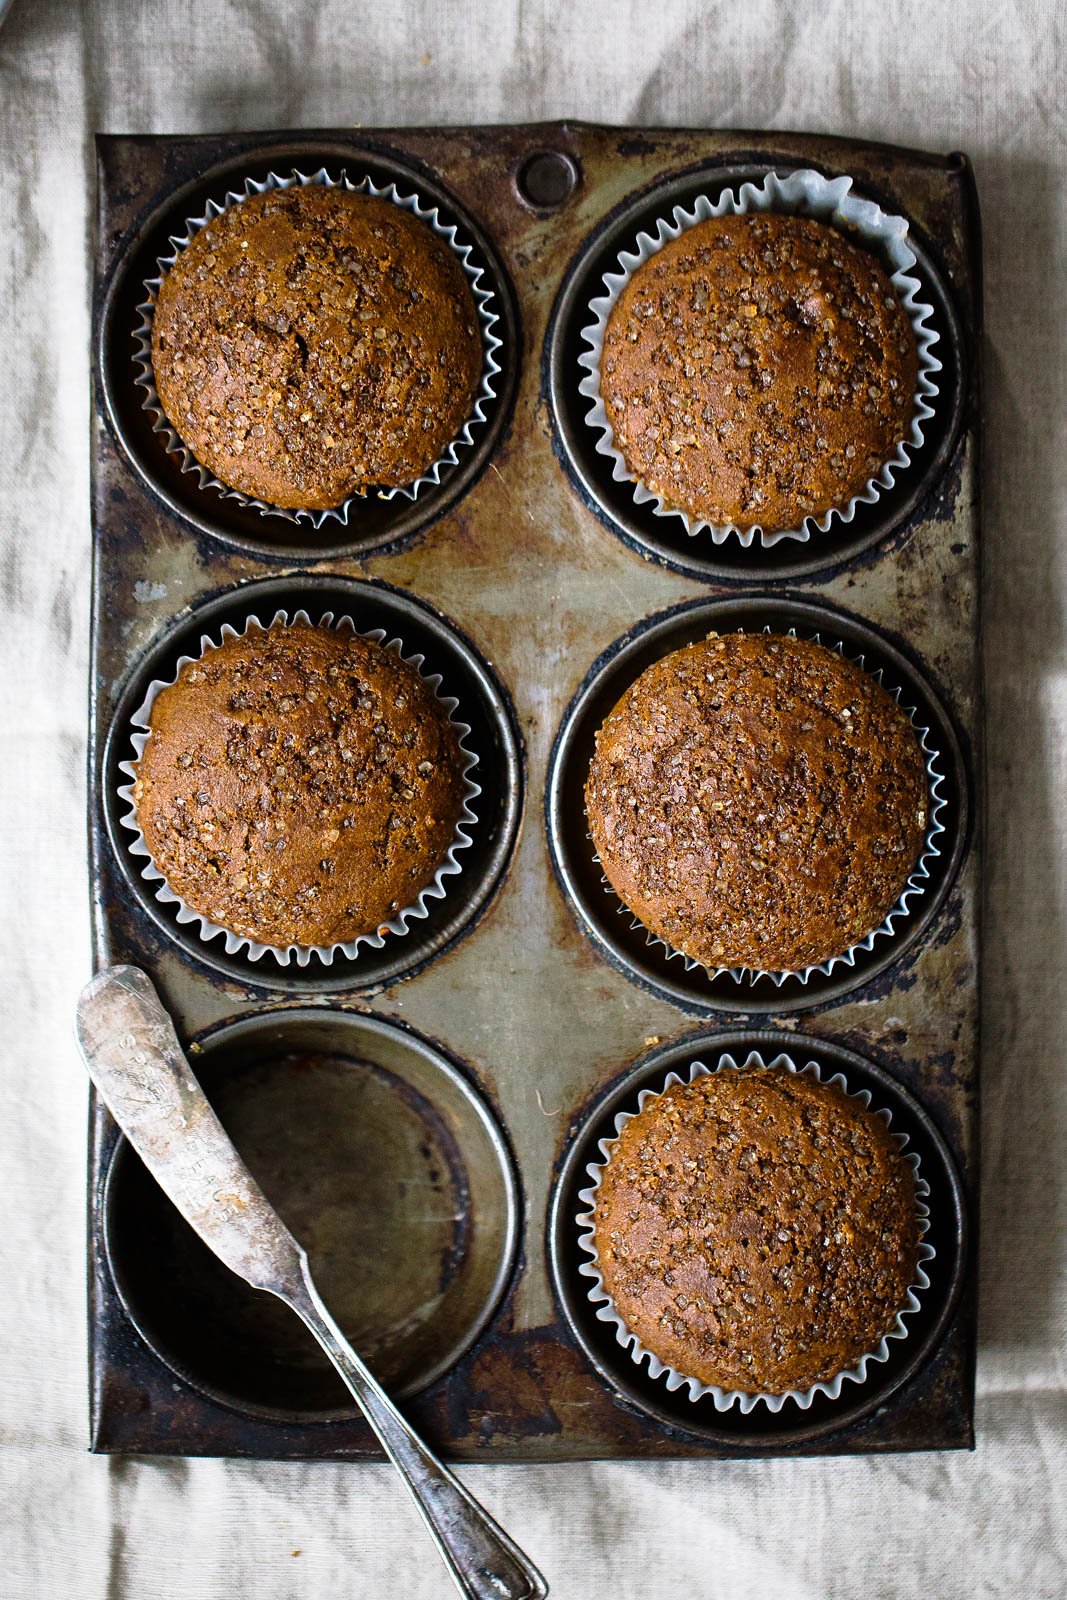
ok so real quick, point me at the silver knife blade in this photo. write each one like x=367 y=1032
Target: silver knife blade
x=162 y=1110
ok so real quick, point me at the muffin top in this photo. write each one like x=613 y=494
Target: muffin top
x=309 y=343
x=757 y=801
x=758 y=370
x=299 y=785
x=757 y=1229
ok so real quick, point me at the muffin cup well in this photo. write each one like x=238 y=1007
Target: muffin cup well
x=745 y=1400
x=397 y=925
x=483 y=300
x=918 y=878
x=800 y=193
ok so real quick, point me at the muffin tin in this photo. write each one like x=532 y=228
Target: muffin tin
x=476 y=1060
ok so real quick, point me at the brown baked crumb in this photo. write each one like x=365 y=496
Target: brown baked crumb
x=310 y=343
x=757 y=801
x=299 y=785
x=758 y=370
x=757 y=1230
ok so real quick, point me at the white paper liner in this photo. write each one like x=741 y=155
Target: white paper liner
x=723 y=1399
x=398 y=924
x=483 y=300
x=917 y=882
x=809 y=194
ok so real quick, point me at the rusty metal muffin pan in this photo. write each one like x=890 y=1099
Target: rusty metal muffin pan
x=420 y=1113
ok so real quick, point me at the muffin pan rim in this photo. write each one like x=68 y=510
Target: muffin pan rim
x=573 y=437
x=732 y=997
x=216 y=1038
x=654 y=1064
x=116 y=375
x=463 y=910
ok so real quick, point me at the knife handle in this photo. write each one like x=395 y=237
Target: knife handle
x=484 y=1562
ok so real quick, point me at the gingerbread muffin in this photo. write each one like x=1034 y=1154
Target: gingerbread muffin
x=757 y=1229
x=758 y=370
x=310 y=343
x=299 y=785
x=757 y=801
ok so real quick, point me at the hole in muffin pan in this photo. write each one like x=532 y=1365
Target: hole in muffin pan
x=791 y=1425
x=373 y=523
x=546 y=180
x=389 y=1169
x=665 y=539
x=494 y=738
x=601 y=913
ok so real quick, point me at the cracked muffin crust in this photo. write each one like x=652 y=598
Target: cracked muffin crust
x=299 y=785
x=757 y=801
x=757 y=1229
x=310 y=343
x=757 y=370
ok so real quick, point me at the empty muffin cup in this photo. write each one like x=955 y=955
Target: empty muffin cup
x=484 y=304
x=807 y=194
x=724 y=1398
x=398 y=921
x=386 y=1163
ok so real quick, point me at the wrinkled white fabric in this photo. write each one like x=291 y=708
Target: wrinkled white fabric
x=985 y=76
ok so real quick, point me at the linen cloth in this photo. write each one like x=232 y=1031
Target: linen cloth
x=985 y=76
